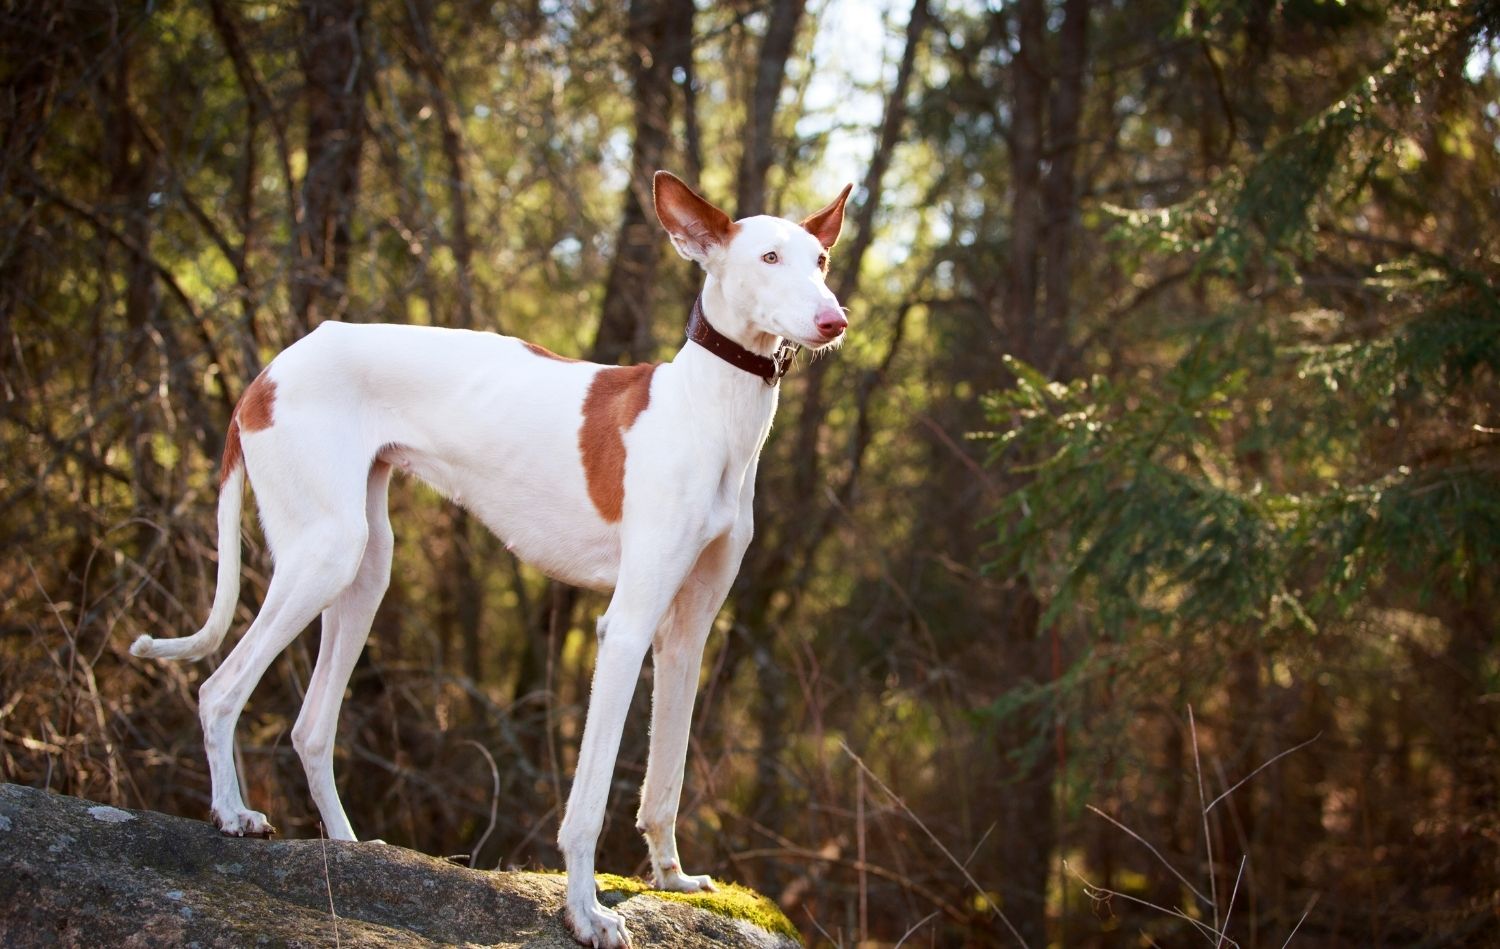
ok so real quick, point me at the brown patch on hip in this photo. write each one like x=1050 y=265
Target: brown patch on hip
x=616 y=396
x=255 y=407
x=545 y=353
x=233 y=453
x=253 y=413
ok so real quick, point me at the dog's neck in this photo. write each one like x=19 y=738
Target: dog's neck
x=724 y=316
x=769 y=369
x=738 y=398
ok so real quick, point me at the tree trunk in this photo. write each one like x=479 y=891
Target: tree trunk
x=661 y=41
x=1060 y=184
x=332 y=57
x=1029 y=81
x=770 y=72
x=1027 y=819
x=1047 y=102
x=25 y=104
x=1235 y=830
x=131 y=182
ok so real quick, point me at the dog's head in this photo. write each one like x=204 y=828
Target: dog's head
x=772 y=271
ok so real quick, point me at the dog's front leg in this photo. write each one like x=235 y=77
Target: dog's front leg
x=648 y=581
x=677 y=657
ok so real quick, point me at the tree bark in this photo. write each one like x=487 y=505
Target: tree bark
x=1028 y=95
x=770 y=72
x=131 y=176
x=661 y=41
x=1060 y=184
x=1047 y=94
x=332 y=57
x=25 y=104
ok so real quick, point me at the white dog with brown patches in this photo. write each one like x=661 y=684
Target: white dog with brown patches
x=634 y=479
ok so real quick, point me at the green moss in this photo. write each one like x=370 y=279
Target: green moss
x=730 y=900
x=735 y=902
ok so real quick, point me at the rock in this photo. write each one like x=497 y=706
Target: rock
x=74 y=873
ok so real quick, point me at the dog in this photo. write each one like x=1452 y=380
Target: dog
x=637 y=480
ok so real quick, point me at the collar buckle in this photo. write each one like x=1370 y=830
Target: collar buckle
x=782 y=358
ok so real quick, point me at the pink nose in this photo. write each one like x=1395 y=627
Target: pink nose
x=831 y=322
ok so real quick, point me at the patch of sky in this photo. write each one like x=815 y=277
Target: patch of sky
x=616 y=164
x=1484 y=60
x=855 y=55
x=568 y=251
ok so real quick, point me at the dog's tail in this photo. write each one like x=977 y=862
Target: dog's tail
x=226 y=594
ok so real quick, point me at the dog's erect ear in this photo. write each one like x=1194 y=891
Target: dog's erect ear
x=826 y=224
x=695 y=226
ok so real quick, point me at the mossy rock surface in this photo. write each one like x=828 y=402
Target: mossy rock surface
x=74 y=873
x=730 y=899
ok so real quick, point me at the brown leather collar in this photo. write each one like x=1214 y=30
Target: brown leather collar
x=769 y=368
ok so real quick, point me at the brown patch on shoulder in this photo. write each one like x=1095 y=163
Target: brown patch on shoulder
x=545 y=353
x=253 y=413
x=615 y=398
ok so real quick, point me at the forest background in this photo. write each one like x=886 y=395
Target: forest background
x=1162 y=453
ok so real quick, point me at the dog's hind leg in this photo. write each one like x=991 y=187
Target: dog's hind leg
x=319 y=540
x=346 y=627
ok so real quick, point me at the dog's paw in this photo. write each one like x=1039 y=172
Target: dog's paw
x=672 y=879
x=243 y=823
x=598 y=927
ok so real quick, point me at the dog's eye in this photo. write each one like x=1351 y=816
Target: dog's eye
x=822 y=261
x=770 y=257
